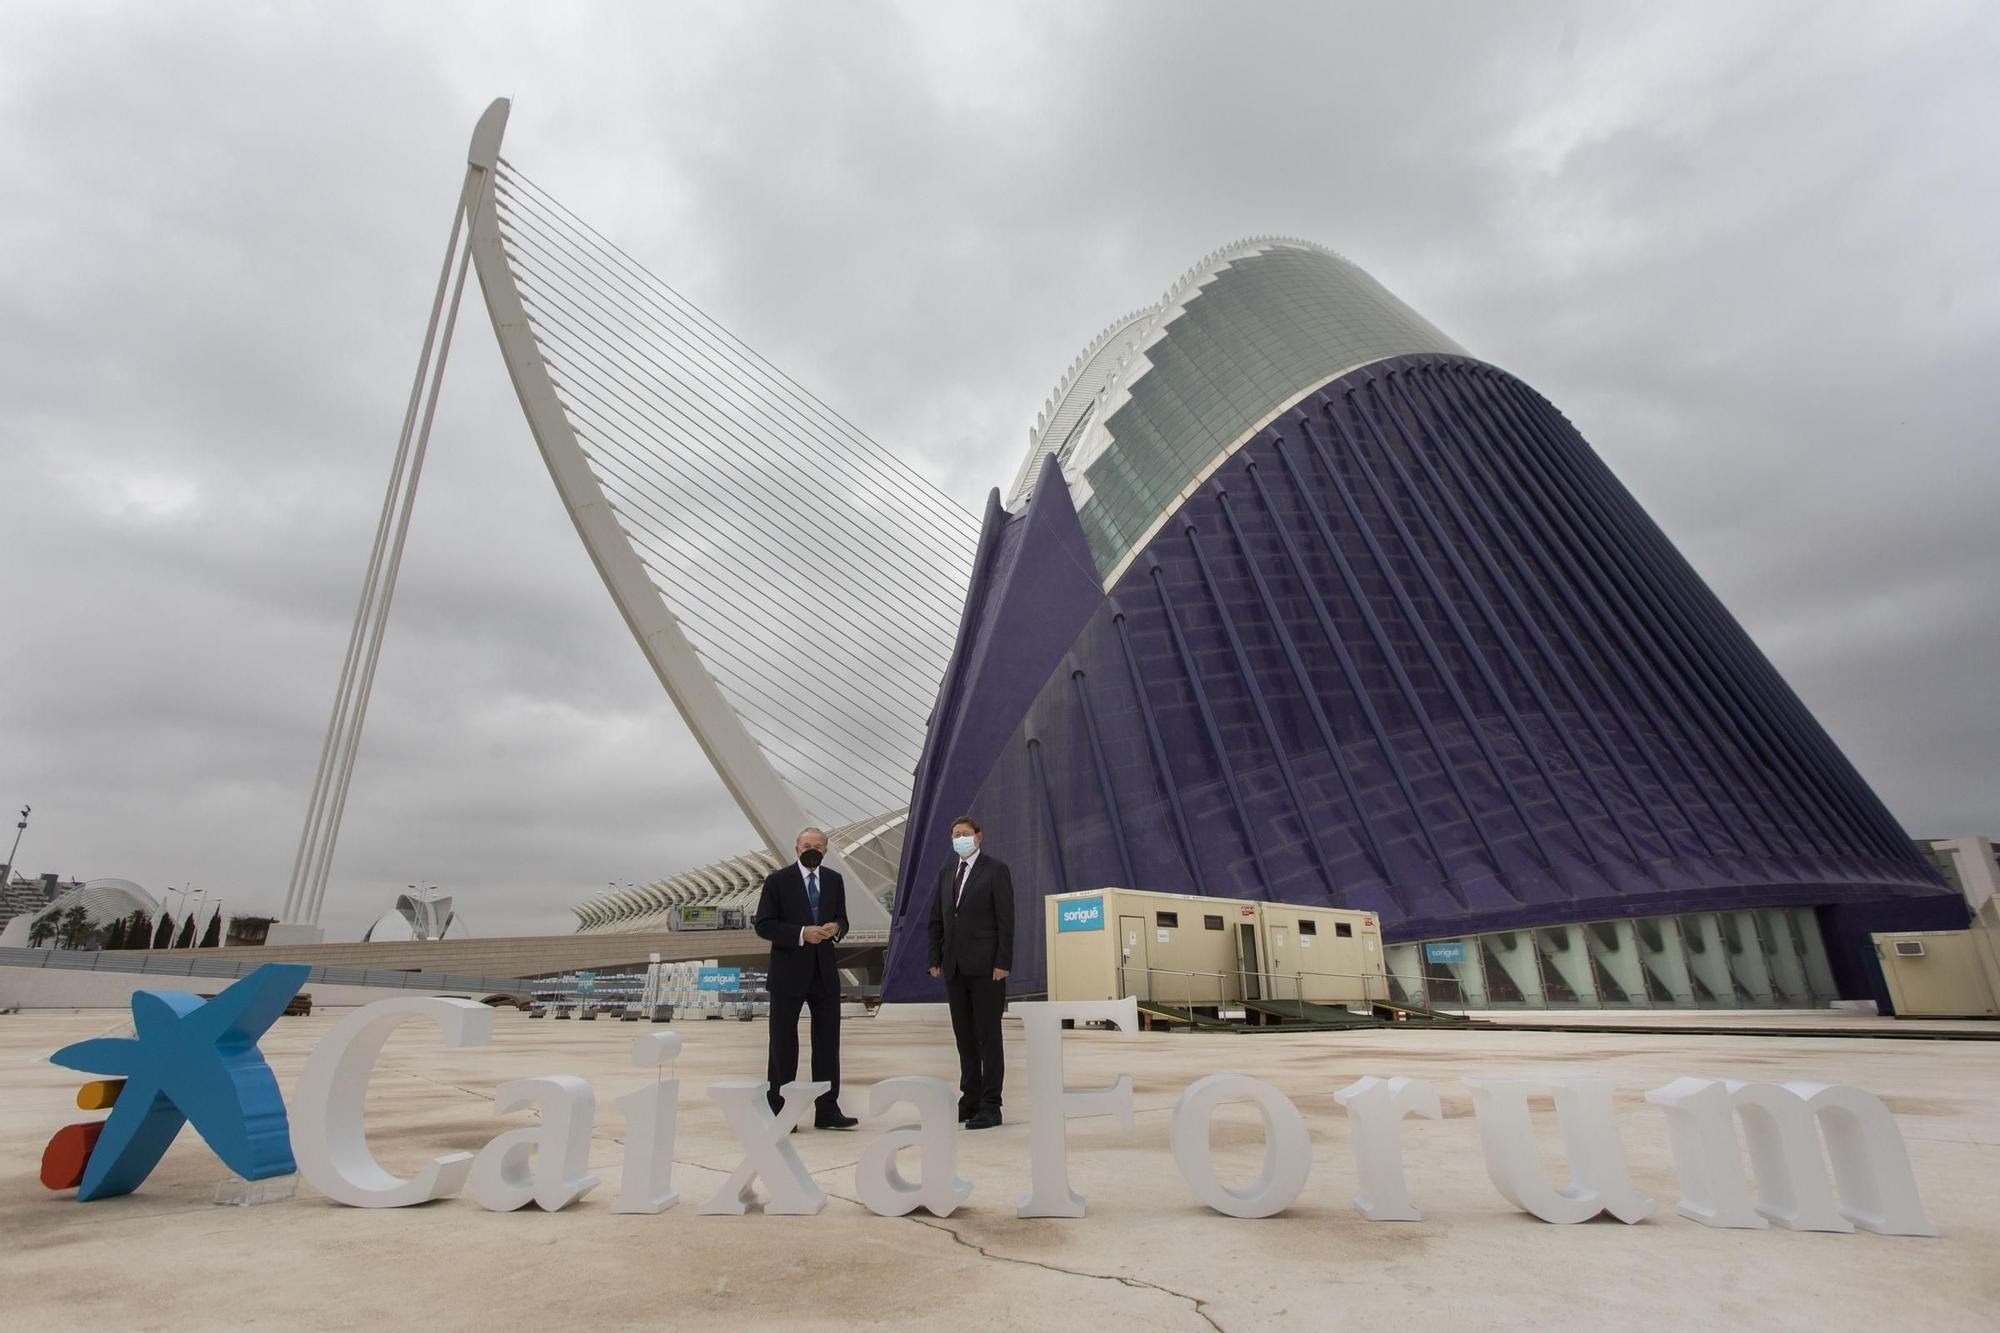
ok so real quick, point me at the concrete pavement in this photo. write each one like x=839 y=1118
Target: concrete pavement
x=1146 y=1256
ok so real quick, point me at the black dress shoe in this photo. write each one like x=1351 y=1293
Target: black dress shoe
x=984 y=1120
x=964 y=1116
x=834 y=1121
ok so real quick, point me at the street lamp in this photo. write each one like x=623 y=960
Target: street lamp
x=193 y=902
x=19 y=829
x=167 y=910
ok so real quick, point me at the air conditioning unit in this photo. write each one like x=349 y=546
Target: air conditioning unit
x=1909 y=948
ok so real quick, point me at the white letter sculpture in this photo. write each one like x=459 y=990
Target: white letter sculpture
x=1701 y=1124
x=1051 y=1103
x=767 y=1149
x=883 y=1189
x=502 y=1177
x=1600 y=1182
x=1783 y=1125
x=329 y=1135
x=1287 y=1149
x=1375 y=1111
x=651 y=1114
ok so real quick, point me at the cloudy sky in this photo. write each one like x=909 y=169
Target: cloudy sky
x=1748 y=248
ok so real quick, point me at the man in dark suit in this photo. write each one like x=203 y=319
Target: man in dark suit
x=803 y=913
x=972 y=948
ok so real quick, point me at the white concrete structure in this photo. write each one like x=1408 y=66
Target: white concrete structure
x=416 y=917
x=794 y=586
x=1972 y=864
x=103 y=900
x=872 y=846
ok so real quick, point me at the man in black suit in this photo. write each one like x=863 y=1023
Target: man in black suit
x=803 y=913
x=972 y=948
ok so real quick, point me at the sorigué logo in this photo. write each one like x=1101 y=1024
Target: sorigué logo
x=1084 y=914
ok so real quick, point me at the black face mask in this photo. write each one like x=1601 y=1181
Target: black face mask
x=811 y=857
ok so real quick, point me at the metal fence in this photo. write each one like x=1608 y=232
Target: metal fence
x=192 y=964
x=1209 y=989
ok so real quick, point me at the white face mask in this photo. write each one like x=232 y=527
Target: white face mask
x=965 y=845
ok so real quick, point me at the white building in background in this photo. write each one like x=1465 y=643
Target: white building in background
x=24 y=894
x=875 y=846
x=1968 y=864
x=416 y=917
x=103 y=901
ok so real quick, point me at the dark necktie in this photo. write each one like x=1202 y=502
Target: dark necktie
x=812 y=894
x=958 y=890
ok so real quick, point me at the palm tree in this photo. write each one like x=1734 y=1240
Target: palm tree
x=74 y=930
x=113 y=936
x=137 y=928
x=41 y=931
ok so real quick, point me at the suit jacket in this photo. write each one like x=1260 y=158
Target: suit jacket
x=783 y=910
x=975 y=934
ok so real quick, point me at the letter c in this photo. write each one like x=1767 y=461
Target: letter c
x=329 y=1136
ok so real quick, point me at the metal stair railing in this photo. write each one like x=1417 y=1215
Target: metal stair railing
x=1271 y=992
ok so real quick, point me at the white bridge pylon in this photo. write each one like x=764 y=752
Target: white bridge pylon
x=795 y=586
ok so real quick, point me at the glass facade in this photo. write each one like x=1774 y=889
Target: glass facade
x=1255 y=333
x=1753 y=958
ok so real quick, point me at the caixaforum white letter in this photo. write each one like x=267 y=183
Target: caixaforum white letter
x=1786 y=1127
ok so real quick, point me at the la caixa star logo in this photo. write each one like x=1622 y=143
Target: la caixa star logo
x=193 y=1061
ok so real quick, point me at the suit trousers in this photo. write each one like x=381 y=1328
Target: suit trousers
x=976 y=1004
x=784 y=1060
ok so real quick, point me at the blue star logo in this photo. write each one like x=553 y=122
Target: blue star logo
x=197 y=1061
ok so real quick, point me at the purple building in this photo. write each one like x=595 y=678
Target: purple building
x=1295 y=600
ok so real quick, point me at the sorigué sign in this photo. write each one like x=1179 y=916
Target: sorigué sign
x=1080 y=914
x=197 y=1063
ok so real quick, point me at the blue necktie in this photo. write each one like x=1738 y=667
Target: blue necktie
x=812 y=894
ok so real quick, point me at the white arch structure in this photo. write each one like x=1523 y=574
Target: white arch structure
x=794 y=586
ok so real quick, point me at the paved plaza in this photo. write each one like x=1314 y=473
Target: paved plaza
x=1146 y=1256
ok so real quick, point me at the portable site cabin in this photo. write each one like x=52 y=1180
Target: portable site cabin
x=1177 y=949
x=1942 y=973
